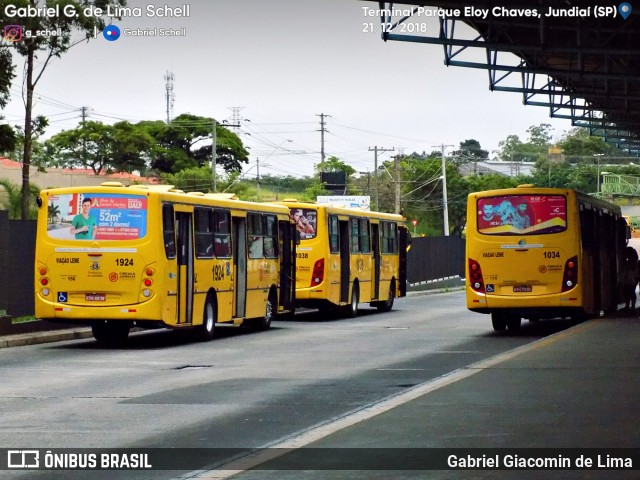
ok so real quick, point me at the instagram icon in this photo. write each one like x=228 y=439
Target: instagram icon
x=12 y=33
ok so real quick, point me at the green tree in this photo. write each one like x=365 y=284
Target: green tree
x=45 y=48
x=7 y=72
x=186 y=143
x=334 y=164
x=580 y=147
x=11 y=201
x=8 y=139
x=38 y=158
x=119 y=147
x=540 y=136
x=469 y=151
x=512 y=149
x=197 y=179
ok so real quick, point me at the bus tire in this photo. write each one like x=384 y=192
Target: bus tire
x=209 y=318
x=499 y=321
x=269 y=312
x=110 y=333
x=387 y=305
x=352 y=309
x=513 y=323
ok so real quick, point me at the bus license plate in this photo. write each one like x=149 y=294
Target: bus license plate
x=522 y=289
x=95 y=297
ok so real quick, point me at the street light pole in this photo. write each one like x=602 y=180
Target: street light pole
x=445 y=207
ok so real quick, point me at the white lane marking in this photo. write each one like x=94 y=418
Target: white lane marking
x=314 y=434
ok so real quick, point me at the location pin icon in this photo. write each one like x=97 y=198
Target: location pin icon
x=624 y=9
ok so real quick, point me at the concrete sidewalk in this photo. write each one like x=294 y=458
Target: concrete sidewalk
x=577 y=389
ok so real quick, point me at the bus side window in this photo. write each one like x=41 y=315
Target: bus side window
x=355 y=236
x=255 y=235
x=365 y=242
x=334 y=234
x=222 y=233
x=393 y=238
x=169 y=231
x=204 y=232
x=270 y=236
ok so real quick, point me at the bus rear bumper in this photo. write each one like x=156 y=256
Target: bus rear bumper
x=61 y=312
x=540 y=306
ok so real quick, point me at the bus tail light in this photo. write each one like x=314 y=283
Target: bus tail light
x=570 y=276
x=147 y=282
x=475 y=276
x=318 y=273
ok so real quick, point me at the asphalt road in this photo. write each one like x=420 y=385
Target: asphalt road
x=242 y=390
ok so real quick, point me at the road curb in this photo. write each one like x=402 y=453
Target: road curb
x=23 y=339
x=434 y=291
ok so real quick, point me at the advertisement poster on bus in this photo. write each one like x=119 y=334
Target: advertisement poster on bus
x=87 y=216
x=522 y=214
x=362 y=202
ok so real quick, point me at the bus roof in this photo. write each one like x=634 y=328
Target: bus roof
x=340 y=209
x=170 y=193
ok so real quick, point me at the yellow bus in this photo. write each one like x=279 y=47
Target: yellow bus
x=541 y=253
x=347 y=257
x=116 y=257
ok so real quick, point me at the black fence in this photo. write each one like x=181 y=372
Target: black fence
x=17 y=248
x=435 y=258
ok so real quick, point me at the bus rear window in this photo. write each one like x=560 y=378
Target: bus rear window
x=97 y=216
x=522 y=214
x=306 y=221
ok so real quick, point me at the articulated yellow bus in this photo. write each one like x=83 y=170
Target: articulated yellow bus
x=542 y=253
x=347 y=257
x=115 y=257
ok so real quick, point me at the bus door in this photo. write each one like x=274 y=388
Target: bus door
x=240 y=264
x=345 y=261
x=375 y=245
x=287 y=234
x=184 y=229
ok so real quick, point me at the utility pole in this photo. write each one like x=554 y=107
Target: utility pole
x=445 y=207
x=375 y=151
x=214 y=154
x=322 y=130
x=83 y=111
x=258 y=174
x=396 y=181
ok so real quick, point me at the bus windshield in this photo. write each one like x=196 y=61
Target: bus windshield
x=522 y=214
x=97 y=216
x=306 y=222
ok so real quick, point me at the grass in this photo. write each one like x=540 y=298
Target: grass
x=25 y=319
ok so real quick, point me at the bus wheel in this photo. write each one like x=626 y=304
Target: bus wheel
x=209 y=317
x=111 y=334
x=352 y=309
x=269 y=312
x=388 y=304
x=499 y=321
x=513 y=323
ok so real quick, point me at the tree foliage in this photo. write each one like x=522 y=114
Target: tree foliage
x=100 y=147
x=8 y=139
x=7 y=72
x=469 y=151
x=49 y=47
x=185 y=143
x=11 y=199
